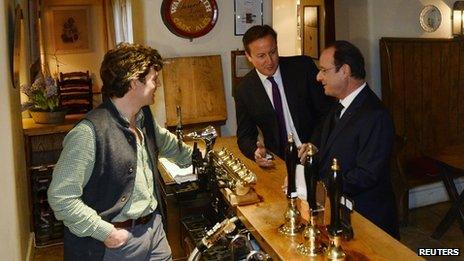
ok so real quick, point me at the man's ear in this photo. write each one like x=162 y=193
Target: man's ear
x=248 y=56
x=134 y=83
x=346 y=69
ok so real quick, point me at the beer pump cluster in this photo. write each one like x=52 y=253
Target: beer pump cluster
x=218 y=169
x=340 y=223
x=215 y=170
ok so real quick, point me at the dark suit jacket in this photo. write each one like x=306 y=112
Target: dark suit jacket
x=362 y=142
x=305 y=98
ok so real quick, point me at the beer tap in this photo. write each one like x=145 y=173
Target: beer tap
x=311 y=174
x=207 y=177
x=312 y=245
x=291 y=158
x=335 y=229
x=197 y=159
x=208 y=135
x=292 y=223
x=179 y=129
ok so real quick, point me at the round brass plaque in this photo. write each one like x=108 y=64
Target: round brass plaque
x=189 y=18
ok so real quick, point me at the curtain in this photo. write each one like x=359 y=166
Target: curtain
x=118 y=20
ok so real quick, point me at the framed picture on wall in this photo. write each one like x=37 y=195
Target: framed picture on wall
x=70 y=29
x=16 y=59
x=311 y=31
x=240 y=67
x=34 y=30
x=247 y=14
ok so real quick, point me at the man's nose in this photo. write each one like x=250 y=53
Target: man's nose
x=269 y=58
x=319 y=76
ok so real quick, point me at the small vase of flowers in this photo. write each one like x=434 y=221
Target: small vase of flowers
x=44 y=102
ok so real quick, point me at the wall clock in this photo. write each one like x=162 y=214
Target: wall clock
x=189 y=18
x=430 y=18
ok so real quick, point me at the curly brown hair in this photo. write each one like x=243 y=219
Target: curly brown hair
x=125 y=63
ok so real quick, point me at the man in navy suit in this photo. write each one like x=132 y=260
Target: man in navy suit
x=359 y=132
x=280 y=96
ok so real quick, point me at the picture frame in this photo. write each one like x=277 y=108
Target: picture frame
x=240 y=67
x=247 y=14
x=70 y=29
x=311 y=31
x=34 y=30
x=16 y=58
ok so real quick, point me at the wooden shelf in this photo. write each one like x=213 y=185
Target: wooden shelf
x=33 y=129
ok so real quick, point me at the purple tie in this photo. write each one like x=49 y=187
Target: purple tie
x=277 y=100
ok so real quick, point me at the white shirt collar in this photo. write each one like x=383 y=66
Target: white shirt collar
x=263 y=77
x=138 y=117
x=268 y=88
x=350 y=98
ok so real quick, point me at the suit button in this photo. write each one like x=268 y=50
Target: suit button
x=123 y=199
x=131 y=170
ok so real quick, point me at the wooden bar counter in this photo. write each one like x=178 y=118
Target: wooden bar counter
x=263 y=219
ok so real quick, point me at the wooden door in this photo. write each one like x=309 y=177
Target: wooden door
x=317 y=21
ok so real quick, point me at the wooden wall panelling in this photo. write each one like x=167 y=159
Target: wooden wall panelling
x=439 y=98
x=412 y=92
x=397 y=90
x=453 y=63
x=408 y=78
x=447 y=97
x=422 y=85
x=460 y=96
x=196 y=84
x=417 y=98
x=427 y=95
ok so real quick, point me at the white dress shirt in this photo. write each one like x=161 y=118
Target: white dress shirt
x=289 y=126
x=350 y=98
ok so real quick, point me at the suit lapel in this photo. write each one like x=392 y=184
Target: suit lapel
x=260 y=94
x=326 y=129
x=352 y=110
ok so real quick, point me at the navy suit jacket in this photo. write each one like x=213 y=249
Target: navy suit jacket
x=362 y=142
x=305 y=98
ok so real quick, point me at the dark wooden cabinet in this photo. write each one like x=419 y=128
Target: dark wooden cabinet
x=43 y=145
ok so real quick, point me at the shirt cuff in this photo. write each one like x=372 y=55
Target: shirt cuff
x=103 y=230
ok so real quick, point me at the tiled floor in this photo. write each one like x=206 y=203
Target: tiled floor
x=417 y=234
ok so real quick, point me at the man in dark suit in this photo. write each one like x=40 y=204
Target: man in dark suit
x=359 y=132
x=280 y=96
